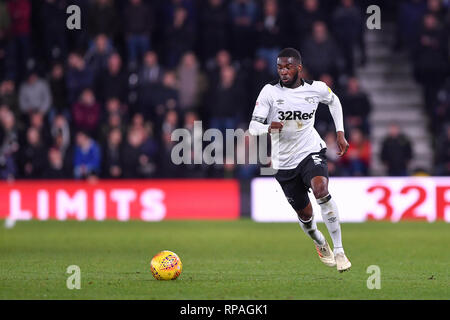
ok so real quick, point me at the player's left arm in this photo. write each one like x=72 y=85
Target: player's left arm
x=334 y=104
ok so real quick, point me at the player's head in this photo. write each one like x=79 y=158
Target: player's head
x=289 y=65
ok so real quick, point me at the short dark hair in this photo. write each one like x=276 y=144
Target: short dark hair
x=291 y=52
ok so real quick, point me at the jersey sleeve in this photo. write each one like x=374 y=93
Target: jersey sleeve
x=262 y=105
x=329 y=98
x=325 y=93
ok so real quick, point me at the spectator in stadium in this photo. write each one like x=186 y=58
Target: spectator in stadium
x=79 y=77
x=66 y=152
x=320 y=52
x=436 y=8
x=356 y=106
x=259 y=77
x=150 y=144
x=114 y=82
x=139 y=25
x=9 y=145
x=226 y=101
x=169 y=8
x=102 y=18
x=8 y=95
x=114 y=105
x=58 y=89
x=196 y=137
x=396 y=151
x=348 y=28
x=34 y=95
x=171 y=122
x=56 y=168
x=87 y=157
x=409 y=22
x=304 y=14
x=138 y=122
x=32 y=155
x=214 y=67
x=99 y=53
x=357 y=159
x=442 y=110
x=179 y=37
x=270 y=34
x=5 y=19
x=112 y=155
x=86 y=113
x=150 y=148
x=191 y=82
x=151 y=71
x=166 y=97
x=4 y=107
x=20 y=50
x=223 y=58
x=52 y=17
x=443 y=153
x=4 y=37
x=167 y=168
x=213 y=28
x=137 y=163
x=60 y=133
x=113 y=121
x=38 y=120
x=243 y=15
x=431 y=58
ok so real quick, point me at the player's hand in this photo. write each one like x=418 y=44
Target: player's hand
x=275 y=126
x=342 y=143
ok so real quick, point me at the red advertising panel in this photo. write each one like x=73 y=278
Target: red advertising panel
x=120 y=200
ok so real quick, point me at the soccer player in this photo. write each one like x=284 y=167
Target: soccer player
x=298 y=152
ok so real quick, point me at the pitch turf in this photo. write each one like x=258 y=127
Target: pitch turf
x=221 y=260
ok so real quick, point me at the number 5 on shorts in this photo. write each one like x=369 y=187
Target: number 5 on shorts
x=316 y=159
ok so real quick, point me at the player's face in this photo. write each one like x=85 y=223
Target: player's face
x=288 y=69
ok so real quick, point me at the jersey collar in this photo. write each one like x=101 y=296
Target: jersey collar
x=302 y=82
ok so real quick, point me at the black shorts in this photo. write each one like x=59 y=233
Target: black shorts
x=297 y=182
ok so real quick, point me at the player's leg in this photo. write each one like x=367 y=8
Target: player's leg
x=297 y=196
x=309 y=226
x=330 y=215
x=329 y=210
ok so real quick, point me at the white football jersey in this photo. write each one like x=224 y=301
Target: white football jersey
x=296 y=109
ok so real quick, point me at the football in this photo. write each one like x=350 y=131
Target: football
x=166 y=265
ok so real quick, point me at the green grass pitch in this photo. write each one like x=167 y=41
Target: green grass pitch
x=221 y=260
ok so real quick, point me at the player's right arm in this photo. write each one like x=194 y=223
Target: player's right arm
x=260 y=112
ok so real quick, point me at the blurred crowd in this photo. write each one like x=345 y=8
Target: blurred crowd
x=423 y=31
x=103 y=101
